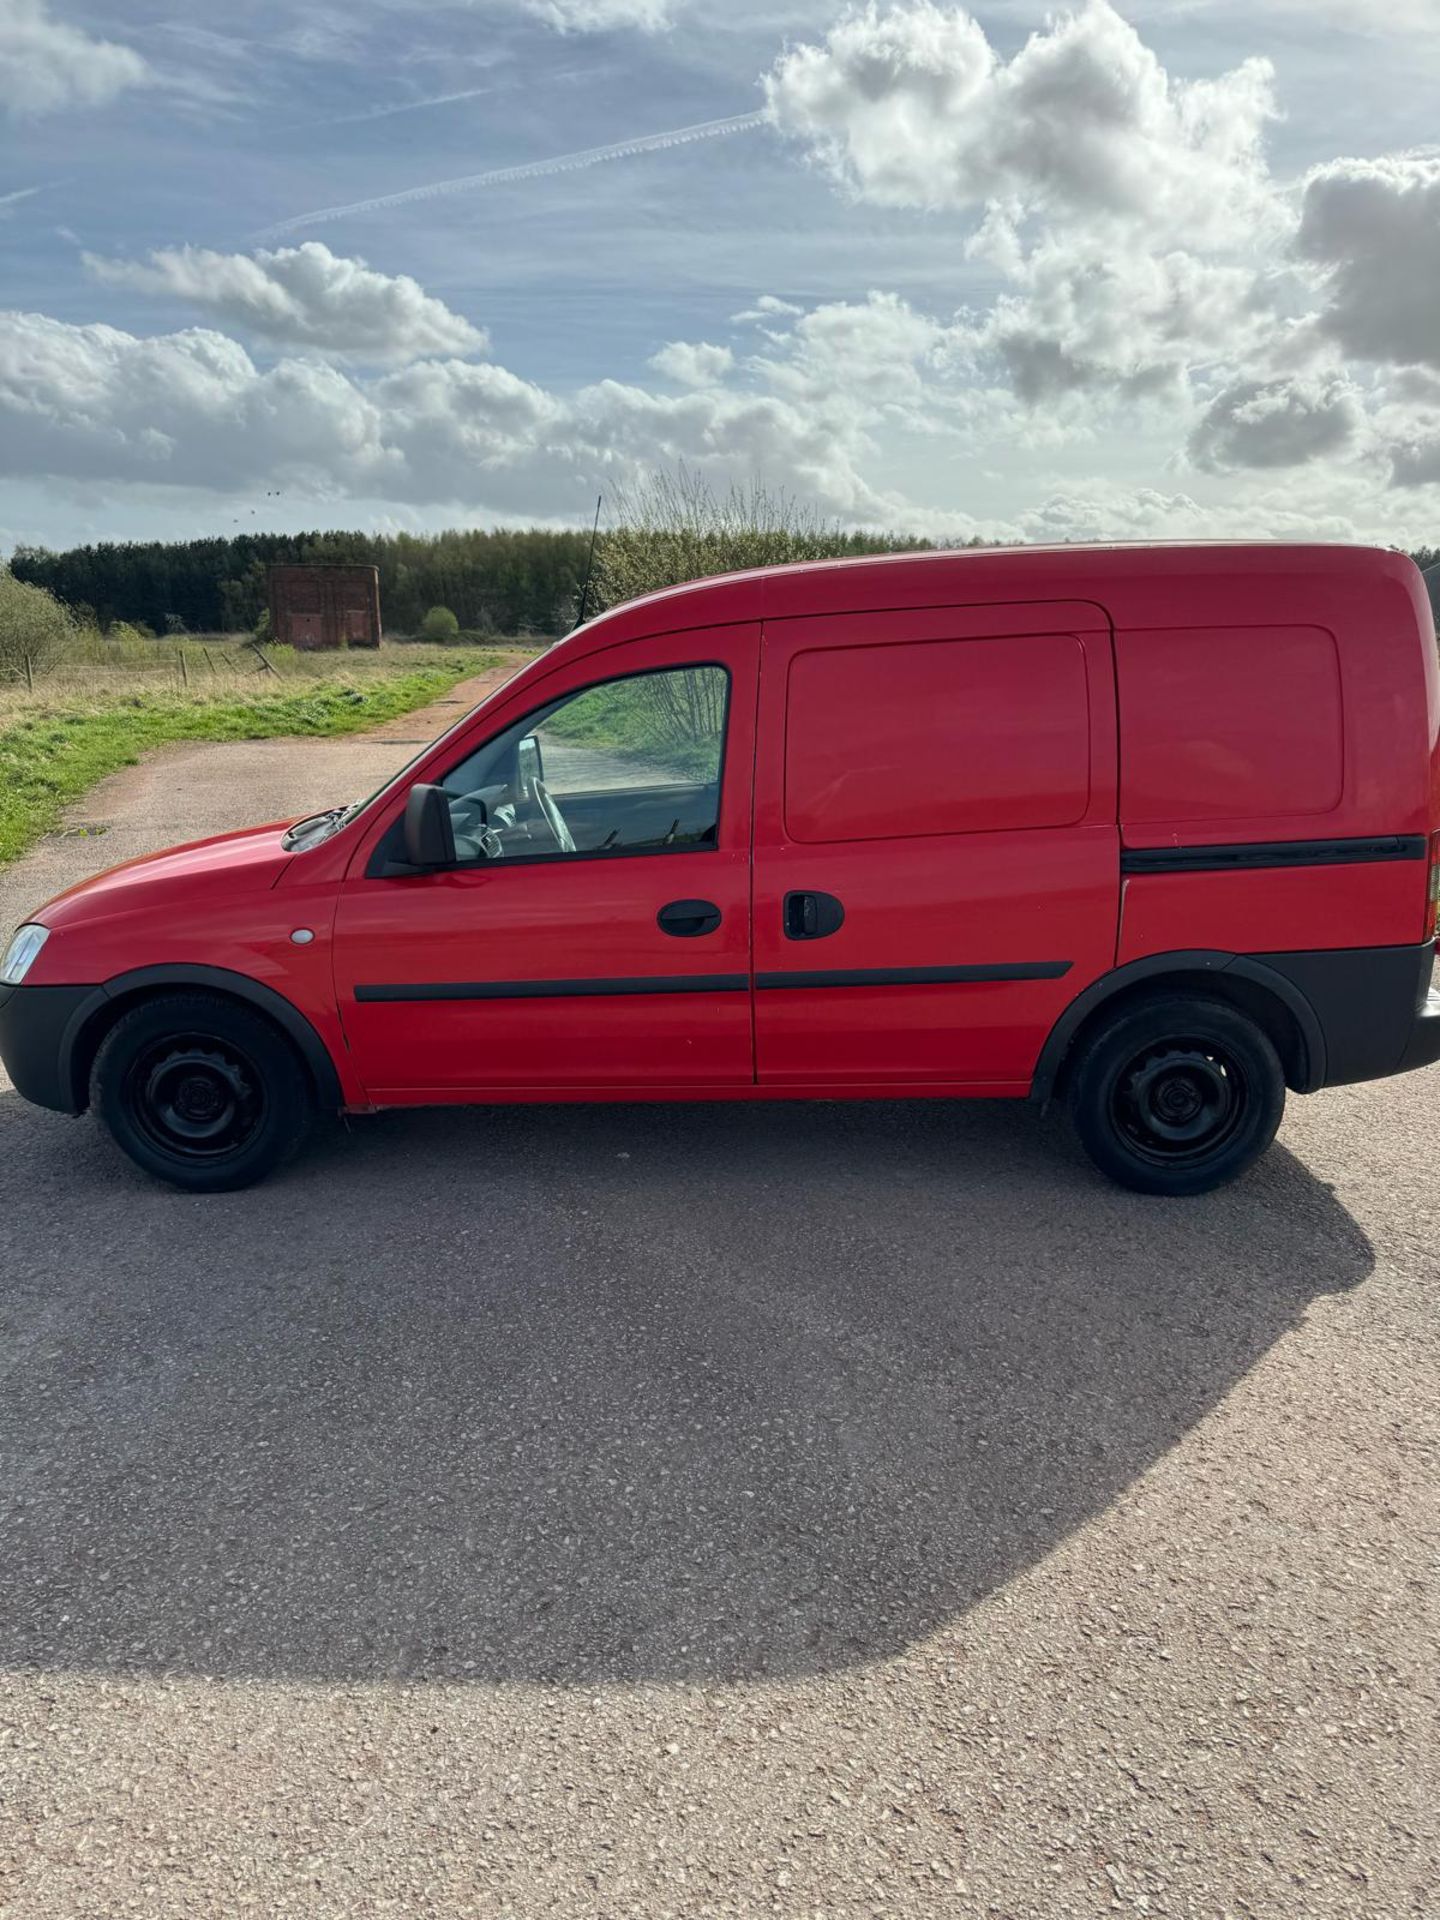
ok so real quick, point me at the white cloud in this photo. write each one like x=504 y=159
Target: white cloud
x=93 y=402
x=910 y=106
x=816 y=451
x=1148 y=259
x=1267 y=350
x=600 y=16
x=9 y=201
x=1413 y=450
x=768 y=307
x=693 y=363
x=888 y=359
x=1407 y=426
x=1416 y=460
x=1131 y=322
x=1130 y=214
x=1277 y=423
x=1357 y=16
x=1373 y=226
x=46 y=65
x=831 y=404
x=192 y=409
x=303 y=296
x=1317 y=506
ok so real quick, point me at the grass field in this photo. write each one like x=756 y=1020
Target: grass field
x=98 y=669
x=88 y=717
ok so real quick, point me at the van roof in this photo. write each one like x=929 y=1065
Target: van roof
x=1101 y=571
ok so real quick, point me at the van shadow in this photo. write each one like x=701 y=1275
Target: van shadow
x=575 y=1394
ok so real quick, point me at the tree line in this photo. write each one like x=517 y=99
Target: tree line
x=523 y=581
x=504 y=581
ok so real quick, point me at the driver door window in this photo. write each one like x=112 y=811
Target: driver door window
x=632 y=765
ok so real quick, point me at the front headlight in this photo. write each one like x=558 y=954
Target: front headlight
x=21 y=954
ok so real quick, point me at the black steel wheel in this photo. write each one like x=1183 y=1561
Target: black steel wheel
x=1177 y=1094
x=201 y=1091
x=1180 y=1101
x=196 y=1096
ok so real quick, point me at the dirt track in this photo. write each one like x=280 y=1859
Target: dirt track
x=828 y=1510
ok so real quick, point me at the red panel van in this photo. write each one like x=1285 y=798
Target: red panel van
x=1153 y=829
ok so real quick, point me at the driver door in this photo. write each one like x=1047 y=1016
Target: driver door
x=618 y=962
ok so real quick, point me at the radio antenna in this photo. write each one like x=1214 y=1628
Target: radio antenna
x=589 y=565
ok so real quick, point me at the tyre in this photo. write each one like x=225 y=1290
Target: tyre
x=201 y=1092
x=1178 y=1094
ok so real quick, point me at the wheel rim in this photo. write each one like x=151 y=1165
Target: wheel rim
x=195 y=1097
x=1180 y=1102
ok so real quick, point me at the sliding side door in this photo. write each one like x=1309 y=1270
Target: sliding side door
x=936 y=852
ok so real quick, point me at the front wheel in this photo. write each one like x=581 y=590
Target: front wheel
x=201 y=1092
x=1178 y=1094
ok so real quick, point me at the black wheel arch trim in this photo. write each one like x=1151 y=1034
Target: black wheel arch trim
x=1159 y=966
x=177 y=978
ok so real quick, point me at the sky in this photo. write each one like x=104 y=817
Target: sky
x=1156 y=270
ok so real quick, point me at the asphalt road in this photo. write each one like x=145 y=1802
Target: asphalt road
x=825 y=1510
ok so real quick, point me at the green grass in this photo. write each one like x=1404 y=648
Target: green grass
x=51 y=756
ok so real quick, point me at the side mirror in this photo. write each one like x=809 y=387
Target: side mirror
x=429 y=830
x=529 y=766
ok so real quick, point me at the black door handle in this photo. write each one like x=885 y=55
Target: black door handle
x=687 y=918
x=812 y=916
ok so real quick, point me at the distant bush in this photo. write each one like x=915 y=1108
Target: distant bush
x=677 y=528
x=34 y=627
x=440 y=624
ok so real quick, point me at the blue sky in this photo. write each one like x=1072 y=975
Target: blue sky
x=1015 y=271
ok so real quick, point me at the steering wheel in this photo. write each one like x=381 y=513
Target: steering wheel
x=554 y=819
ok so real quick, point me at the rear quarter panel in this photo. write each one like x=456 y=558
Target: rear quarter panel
x=1376 y=779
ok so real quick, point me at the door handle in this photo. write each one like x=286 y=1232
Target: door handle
x=688 y=918
x=812 y=916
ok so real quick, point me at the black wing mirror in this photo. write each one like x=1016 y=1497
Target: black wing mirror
x=429 y=830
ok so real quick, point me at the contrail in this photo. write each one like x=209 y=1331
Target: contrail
x=404 y=106
x=530 y=170
x=20 y=193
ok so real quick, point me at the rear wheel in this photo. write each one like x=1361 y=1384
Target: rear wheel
x=1177 y=1095
x=201 y=1092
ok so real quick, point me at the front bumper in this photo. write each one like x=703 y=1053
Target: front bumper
x=38 y=1030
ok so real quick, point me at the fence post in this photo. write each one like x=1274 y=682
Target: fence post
x=29 y=674
x=184 y=669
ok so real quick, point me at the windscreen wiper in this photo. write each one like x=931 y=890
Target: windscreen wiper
x=303 y=829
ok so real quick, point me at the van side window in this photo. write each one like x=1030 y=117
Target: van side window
x=630 y=765
x=935 y=737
